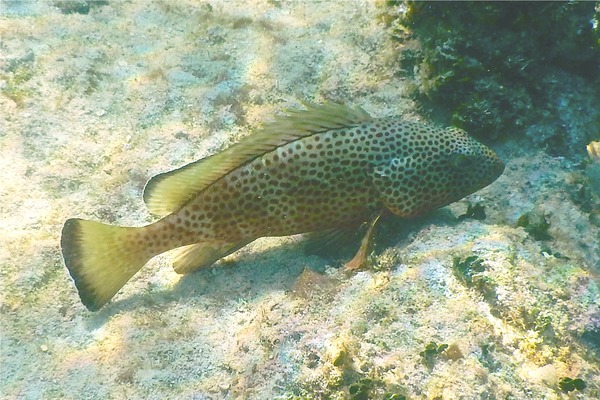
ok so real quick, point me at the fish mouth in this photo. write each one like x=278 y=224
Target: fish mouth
x=494 y=171
x=499 y=167
x=494 y=164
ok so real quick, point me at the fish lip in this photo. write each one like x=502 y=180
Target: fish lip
x=501 y=166
x=497 y=170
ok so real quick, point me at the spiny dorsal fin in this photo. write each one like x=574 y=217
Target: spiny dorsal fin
x=168 y=192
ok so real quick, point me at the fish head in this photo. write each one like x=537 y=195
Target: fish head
x=468 y=167
x=440 y=166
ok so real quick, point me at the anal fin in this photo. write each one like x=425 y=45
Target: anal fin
x=201 y=255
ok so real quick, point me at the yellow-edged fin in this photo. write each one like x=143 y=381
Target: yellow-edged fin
x=593 y=149
x=168 y=192
x=360 y=258
x=100 y=259
x=201 y=255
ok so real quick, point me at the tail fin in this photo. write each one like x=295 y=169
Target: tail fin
x=100 y=258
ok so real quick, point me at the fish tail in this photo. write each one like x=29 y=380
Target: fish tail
x=101 y=258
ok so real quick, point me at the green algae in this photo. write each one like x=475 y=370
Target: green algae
x=535 y=224
x=467 y=268
x=500 y=85
x=431 y=353
x=568 y=384
x=474 y=211
x=16 y=87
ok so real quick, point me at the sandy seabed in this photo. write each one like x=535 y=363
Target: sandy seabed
x=97 y=97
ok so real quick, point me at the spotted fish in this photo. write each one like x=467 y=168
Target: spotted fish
x=326 y=167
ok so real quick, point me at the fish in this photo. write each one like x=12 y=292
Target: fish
x=593 y=149
x=322 y=168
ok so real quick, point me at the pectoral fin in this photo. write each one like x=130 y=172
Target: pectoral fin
x=360 y=258
x=391 y=181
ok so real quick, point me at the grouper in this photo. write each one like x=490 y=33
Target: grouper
x=324 y=168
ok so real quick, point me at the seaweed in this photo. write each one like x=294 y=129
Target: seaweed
x=473 y=67
x=568 y=384
x=474 y=211
x=431 y=353
x=465 y=269
x=361 y=390
x=487 y=358
x=393 y=396
x=535 y=224
x=470 y=272
x=17 y=78
x=368 y=388
x=78 y=6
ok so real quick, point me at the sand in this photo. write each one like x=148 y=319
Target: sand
x=97 y=97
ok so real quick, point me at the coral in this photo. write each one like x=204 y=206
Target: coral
x=506 y=70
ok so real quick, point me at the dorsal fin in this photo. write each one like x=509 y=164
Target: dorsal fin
x=168 y=192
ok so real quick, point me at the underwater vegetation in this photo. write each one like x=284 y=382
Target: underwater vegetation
x=474 y=211
x=568 y=384
x=431 y=352
x=535 y=224
x=16 y=76
x=78 y=6
x=506 y=69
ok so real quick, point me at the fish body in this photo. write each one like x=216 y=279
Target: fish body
x=327 y=167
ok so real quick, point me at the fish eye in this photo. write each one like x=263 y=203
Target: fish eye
x=462 y=161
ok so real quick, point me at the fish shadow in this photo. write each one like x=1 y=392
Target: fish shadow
x=249 y=274
x=252 y=272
